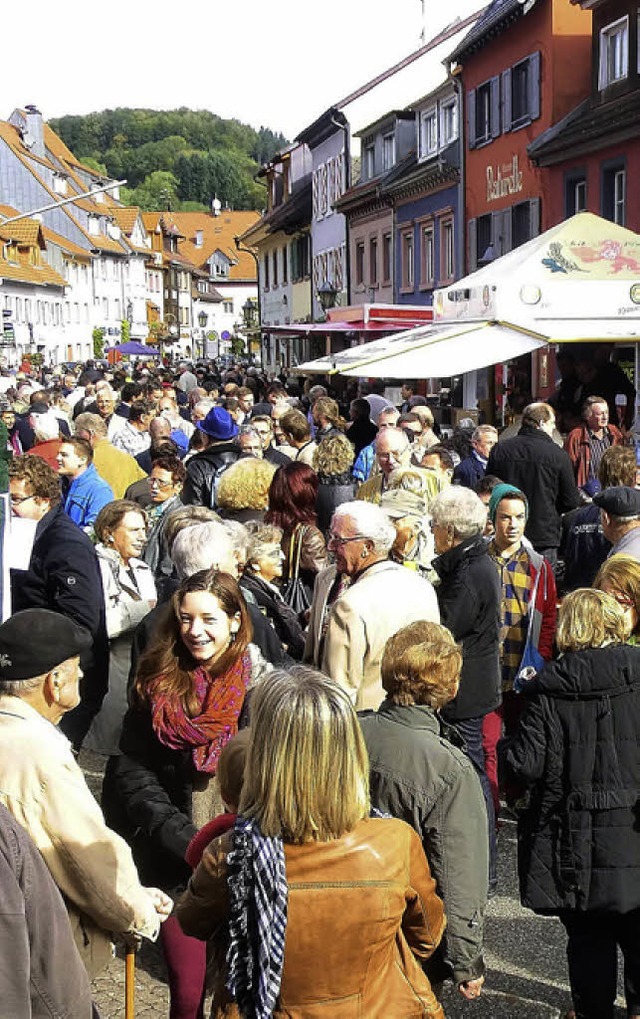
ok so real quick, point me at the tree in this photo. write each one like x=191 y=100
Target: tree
x=158 y=191
x=98 y=341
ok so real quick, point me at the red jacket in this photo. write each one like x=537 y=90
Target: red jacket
x=577 y=446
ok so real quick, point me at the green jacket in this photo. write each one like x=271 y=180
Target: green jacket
x=419 y=776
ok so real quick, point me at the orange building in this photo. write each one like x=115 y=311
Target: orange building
x=522 y=67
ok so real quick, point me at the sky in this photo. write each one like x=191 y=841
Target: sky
x=277 y=63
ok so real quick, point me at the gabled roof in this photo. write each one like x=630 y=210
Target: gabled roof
x=7 y=211
x=588 y=128
x=491 y=22
x=41 y=275
x=218 y=233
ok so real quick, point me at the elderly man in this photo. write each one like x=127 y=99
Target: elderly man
x=366 y=459
x=43 y=788
x=393 y=450
x=587 y=443
x=106 y=404
x=620 y=514
x=133 y=438
x=470 y=470
x=249 y=442
x=62 y=575
x=117 y=468
x=533 y=463
x=361 y=601
x=46 y=430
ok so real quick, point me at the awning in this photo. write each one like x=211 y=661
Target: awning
x=430 y=351
x=321 y=328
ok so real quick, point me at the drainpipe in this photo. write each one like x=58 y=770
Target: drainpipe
x=457 y=85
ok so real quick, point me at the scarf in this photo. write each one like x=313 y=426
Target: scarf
x=258 y=895
x=220 y=701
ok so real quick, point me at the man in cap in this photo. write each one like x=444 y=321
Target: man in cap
x=527 y=608
x=204 y=468
x=43 y=788
x=620 y=515
x=62 y=575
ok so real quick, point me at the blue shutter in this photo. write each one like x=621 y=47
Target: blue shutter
x=534 y=217
x=506 y=100
x=471 y=118
x=533 y=81
x=495 y=107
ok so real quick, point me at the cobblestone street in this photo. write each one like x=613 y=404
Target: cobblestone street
x=525 y=955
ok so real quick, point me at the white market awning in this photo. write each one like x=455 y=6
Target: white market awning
x=433 y=351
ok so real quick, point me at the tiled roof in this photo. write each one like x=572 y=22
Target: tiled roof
x=49 y=235
x=38 y=274
x=587 y=128
x=217 y=234
x=490 y=22
x=25 y=231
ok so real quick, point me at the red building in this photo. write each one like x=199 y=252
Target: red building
x=591 y=158
x=523 y=67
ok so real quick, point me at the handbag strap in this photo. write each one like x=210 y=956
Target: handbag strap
x=295 y=551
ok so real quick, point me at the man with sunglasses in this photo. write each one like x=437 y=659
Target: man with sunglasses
x=62 y=575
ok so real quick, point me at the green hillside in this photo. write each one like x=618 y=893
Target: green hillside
x=178 y=157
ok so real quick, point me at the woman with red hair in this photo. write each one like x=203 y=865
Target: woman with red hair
x=292 y=508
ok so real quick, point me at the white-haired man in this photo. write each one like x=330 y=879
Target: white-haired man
x=360 y=601
x=393 y=450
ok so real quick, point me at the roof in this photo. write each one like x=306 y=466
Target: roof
x=377 y=124
x=218 y=233
x=49 y=235
x=587 y=128
x=39 y=274
x=490 y=23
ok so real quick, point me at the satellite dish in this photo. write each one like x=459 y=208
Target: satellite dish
x=216 y=206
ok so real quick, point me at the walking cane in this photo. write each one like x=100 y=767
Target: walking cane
x=132 y=943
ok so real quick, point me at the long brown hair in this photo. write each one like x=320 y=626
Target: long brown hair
x=167 y=663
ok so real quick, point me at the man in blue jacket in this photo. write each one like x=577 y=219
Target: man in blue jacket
x=85 y=492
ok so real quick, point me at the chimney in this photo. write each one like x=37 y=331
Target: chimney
x=34 y=137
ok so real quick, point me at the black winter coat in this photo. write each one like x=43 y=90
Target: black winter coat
x=469 y=596
x=584 y=547
x=146 y=798
x=333 y=490
x=577 y=748
x=203 y=470
x=278 y=614
x=533 y=463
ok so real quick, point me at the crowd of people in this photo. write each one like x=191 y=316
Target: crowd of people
x=322 y=648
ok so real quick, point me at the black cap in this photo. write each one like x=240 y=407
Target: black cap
x=620 y=501
x=39 y=407
x=33 y=642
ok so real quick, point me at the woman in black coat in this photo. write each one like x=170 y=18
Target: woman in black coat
x=469 y=598
x=332 y=461
x=576 y=750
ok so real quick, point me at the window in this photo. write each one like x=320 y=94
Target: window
x=359 y=262
x=447 y=250
x=386 y=258
x=285 y=267
x=388 y=151
x=275 y=268
x=483 y=113
x=521 y=93
x=369 y=160
x=227 y=307
x=448 y=123
x=428 y=133
x=575 y=194
x=407 y=249
x=614 y=53
x=373 y=262
x=300 y=258
x=614 y=192
x=266 y=272
x=427 y=255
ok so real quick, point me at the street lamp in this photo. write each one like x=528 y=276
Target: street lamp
x=202 y=319
x=327 y=296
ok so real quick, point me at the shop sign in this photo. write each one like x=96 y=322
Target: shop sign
x=504 y=180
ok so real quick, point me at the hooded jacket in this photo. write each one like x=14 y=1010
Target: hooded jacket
x=577 y=751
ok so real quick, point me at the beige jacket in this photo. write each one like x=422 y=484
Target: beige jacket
x=43 y=787
x=379 y=603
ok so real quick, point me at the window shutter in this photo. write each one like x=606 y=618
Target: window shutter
x=495 y=107
x=533 y=81
x=471 y=118
x=534 y=217
x=507 y=240
x=506 y=100
x=472 y=242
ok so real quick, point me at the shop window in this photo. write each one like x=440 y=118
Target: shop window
x=614 y=53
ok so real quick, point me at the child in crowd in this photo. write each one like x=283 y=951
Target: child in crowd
x=230 y=777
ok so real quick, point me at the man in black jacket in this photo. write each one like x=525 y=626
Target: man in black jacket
x=63 y=575
x=204 y=468
x=533 y=463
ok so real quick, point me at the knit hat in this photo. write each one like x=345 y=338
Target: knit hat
x=504 y=491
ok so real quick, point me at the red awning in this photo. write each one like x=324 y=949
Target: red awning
x=358 y=326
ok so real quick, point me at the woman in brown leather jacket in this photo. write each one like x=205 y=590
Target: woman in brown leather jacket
x=324 y=907
x=292 y=507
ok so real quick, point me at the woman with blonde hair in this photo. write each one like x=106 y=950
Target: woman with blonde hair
x=332 y=461
x=619 y=576
x=576 y=754
x=308 y=875
x=243 y=490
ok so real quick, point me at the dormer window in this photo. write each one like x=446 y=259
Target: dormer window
x=94 y=226
x=428 y=132
x=388 y=150
x=614 y=53
x=59 y=184
x=99 y=197
x=369 y=160
x=199 y=238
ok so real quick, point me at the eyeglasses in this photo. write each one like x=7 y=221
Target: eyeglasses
x=16 y=500
x=336 y=539
x=393 y=455
x=160 y=483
